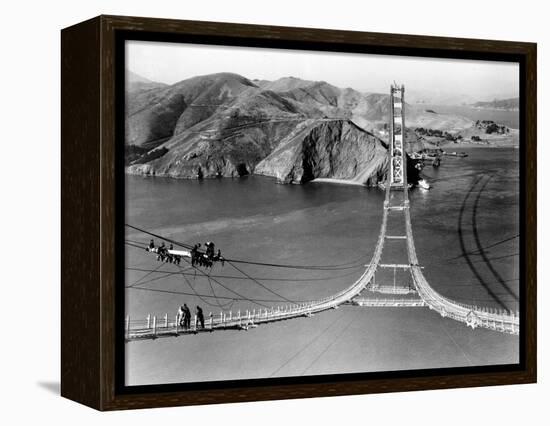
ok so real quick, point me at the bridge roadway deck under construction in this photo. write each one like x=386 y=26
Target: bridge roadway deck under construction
x=472 y=316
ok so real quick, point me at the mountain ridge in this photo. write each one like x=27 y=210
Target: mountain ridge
x=226 y=125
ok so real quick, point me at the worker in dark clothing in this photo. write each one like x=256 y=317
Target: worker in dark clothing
x=181 y=316
x=194 y=253
x=187 y=313
x=209 y=249
x=151 y=244
x=169 y=257
x=199 y=318
x=160 y=252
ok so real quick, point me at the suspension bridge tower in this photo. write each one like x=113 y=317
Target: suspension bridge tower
x=398 y=172
x=397 y=260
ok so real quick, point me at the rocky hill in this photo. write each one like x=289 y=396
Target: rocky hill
x=511 y=104
x=137 y=83
x=327 y=149
x=283 y=84
x=227 y=125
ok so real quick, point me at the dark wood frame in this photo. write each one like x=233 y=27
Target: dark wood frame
x=90 y=342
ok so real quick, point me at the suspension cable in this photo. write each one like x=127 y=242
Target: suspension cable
x=219 y=305
x=260 y=284
x=234 y=277
x=341 y=266
x=224 y=286
x=157 y=290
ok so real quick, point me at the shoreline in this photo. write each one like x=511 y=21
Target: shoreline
x=448 y=147
x=338 y=181
x=477 y=145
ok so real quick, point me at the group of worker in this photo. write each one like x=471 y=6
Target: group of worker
x=163 y=254
x=207 y=258
x=198 y=258
x=184 y=317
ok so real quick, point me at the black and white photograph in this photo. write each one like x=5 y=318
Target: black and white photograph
x=293 y=213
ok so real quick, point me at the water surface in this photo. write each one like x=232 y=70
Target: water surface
x=465 y=229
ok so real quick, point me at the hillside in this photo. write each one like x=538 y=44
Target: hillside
x=437 y=97
x=369 y=110
x=227 y=125
x=153 y=116
x=136 y=83
x=283 y=84
x=511 y=104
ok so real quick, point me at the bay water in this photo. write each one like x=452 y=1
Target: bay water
x=466 y=231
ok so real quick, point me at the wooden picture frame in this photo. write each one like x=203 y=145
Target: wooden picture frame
x=91 y=317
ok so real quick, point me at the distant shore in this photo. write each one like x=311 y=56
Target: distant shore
x=338 y=181
x=504 y=142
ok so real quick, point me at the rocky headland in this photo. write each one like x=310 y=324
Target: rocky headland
x=225 y=125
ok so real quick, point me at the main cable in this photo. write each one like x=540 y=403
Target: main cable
x=341 y=266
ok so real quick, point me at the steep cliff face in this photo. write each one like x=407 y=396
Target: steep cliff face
x=327 y=149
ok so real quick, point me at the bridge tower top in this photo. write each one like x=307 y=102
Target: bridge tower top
x=396 y=152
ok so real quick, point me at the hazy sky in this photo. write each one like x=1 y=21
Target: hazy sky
x=172 y=62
